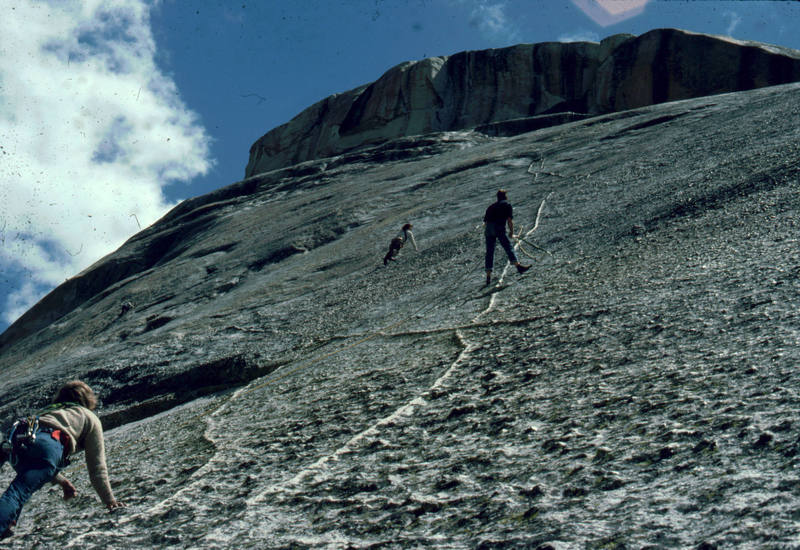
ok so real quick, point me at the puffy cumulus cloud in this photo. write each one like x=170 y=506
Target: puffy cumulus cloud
x=91 y=131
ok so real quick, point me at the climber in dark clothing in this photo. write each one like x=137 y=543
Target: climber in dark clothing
x=398 y=242
x=497 y=216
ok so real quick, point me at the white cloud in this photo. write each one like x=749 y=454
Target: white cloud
x=91 y=131
x=733 y=21
x=19 y=301
x=491 y=19
x=580 y=36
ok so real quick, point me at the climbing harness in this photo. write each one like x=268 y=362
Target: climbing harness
x=22 y=434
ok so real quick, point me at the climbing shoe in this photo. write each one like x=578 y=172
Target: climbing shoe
x=522 y=268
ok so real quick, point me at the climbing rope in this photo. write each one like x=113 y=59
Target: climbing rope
x=522 y=239
x=303 y=365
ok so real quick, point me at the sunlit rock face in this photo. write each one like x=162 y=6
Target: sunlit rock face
x=668 y=65
x=266 y=382
x=481 y=87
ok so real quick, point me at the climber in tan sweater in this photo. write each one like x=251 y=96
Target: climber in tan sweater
x=64 y=428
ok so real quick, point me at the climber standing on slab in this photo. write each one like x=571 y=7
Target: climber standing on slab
x=398 y=242
x=498 y=215
x=38 y=446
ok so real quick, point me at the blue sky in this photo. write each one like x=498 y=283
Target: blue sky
x=112 y=111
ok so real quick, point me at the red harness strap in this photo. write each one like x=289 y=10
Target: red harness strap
x=63 y=438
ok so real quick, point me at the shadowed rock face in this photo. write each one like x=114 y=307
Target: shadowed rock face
x=470 y=89
x=267 y=383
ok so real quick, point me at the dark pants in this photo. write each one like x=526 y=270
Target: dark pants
x=494 y=233
x=35 y=466
x=394 y=248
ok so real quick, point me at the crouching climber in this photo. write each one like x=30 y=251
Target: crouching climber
x=38 y=448
x=398 y=242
